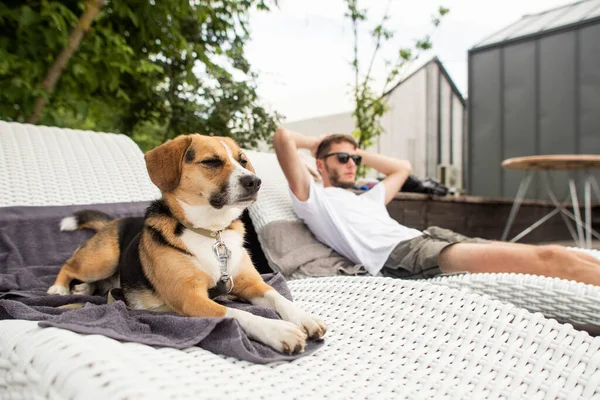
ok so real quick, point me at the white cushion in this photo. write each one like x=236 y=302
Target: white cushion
x=274 y=202
x=41 y=166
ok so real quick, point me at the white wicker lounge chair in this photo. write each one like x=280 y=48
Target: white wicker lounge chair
x=566 y=301
x=387 y=339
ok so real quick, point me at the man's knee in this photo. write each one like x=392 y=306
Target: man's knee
x=550 y=253
x=451 y=258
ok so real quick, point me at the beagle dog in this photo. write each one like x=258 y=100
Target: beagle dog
x=188 y=243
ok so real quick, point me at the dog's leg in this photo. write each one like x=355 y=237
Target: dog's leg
x=97 y=259
x=191 y=299
x=249 y=285
x=62 y=282
x=281 y=335
x=181 y=283
x=84 y=289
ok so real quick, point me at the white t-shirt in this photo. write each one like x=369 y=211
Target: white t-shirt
x=358 y=227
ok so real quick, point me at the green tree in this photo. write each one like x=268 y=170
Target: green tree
x=149 y=68
x=369 y=104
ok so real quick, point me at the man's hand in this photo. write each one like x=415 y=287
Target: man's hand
x=397 y=171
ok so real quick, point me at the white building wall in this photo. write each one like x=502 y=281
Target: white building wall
x=458 y=119
x=445 y=121
x=404 y=123
x=431 y=129
x=336 y=123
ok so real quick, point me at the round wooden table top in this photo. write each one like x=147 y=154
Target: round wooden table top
x=554 y=162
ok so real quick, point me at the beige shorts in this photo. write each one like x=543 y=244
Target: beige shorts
x=417 y=258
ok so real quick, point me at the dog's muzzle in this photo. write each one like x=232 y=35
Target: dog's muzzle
x=250 y=184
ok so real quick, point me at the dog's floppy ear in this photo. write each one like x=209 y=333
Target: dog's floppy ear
x=164 y=162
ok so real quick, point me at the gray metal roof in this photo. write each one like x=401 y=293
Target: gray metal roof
x=535 y=24
x=417 y=65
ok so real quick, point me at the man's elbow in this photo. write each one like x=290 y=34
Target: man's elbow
x=280 y=137
x=406 y=167
x=281 y=134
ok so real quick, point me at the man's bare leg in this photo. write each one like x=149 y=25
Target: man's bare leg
x=552 y=261
x=583 y=256
x=586 y=257
x=578 y=254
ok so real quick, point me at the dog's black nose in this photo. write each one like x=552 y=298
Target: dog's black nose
x=251 y=183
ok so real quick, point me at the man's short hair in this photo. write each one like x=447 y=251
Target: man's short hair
x=325 y=145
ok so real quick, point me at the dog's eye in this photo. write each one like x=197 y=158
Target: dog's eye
x=212 y=163
x=243 y=162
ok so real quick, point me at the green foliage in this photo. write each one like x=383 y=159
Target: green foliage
x=149 y=68
x=369 y=105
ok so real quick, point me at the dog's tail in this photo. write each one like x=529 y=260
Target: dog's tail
x=85 y=219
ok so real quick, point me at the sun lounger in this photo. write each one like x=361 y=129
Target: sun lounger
x=387 y=338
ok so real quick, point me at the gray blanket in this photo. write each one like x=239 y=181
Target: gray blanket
x=32 y=249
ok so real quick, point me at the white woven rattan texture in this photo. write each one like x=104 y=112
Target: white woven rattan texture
x=54 y=166
x=566 y=301
x=387 y=339
x=274 y=202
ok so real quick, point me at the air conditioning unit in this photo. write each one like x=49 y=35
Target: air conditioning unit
x=449 y=175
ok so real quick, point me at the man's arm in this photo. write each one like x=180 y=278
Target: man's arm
x=397 y=171
x=286 y=144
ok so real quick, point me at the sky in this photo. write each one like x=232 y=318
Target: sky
x=302 y=49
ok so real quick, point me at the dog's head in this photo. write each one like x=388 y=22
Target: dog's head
x=204 y=170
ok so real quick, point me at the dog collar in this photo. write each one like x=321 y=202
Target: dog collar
x=222 y=254
x=207 y=232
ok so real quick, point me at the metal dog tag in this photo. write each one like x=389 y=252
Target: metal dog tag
x=222 y=254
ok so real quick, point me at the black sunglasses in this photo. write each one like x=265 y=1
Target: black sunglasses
x=345 y=157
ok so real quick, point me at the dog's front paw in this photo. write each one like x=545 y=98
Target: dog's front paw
x=57 y=289
x=313 y=326
x=285 y=337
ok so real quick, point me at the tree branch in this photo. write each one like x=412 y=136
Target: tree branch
x=378 y=43
x=92 y=9
x=355 y=62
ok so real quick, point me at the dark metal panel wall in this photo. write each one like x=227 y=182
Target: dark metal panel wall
x=589 y=91
x=519 y=125
x=540 y=96
x=557 y=80
x=485 y=123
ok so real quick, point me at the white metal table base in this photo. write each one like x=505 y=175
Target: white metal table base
x=583 y=232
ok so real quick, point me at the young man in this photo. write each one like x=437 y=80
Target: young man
x=360 y=228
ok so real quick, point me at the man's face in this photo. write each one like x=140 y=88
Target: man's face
x=336 y=173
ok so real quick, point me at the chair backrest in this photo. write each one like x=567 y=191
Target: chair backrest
x=54 y=166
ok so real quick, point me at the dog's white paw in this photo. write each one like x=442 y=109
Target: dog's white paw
x=283 y=336
x=313 y=326
x=57 y=289
x=84 y=289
